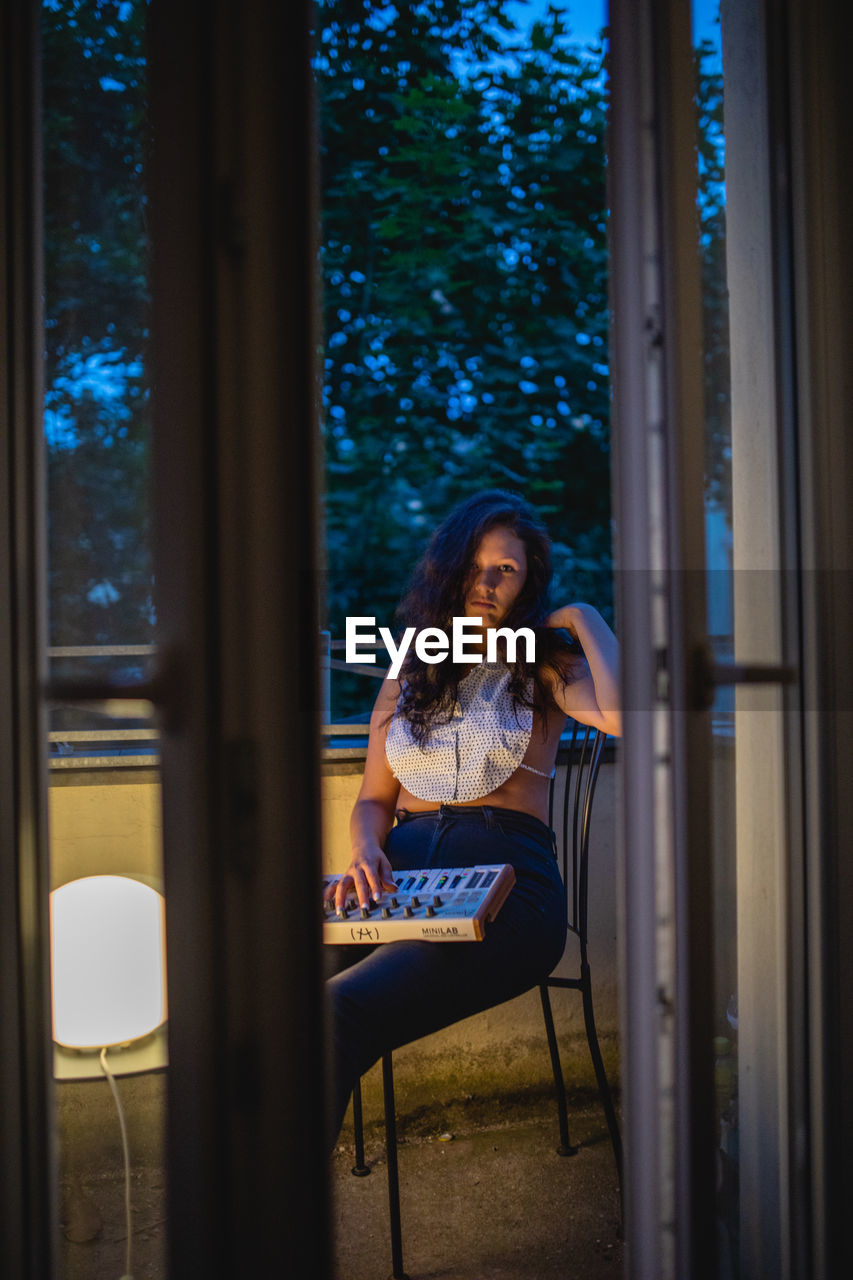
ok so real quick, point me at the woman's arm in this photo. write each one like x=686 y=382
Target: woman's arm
x=372 y=817
x=594 y=698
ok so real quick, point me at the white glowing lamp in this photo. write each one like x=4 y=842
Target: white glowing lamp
x=108 y=961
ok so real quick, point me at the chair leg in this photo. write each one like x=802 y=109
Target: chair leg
x=565 y=1148
x=397 y=1271
x=359 y=1169
x=601 y=1079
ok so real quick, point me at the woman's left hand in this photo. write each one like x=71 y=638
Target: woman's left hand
x=566 y=618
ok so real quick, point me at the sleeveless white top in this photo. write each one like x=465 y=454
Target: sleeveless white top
x=475 y=751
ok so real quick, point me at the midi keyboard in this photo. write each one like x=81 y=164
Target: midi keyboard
x=443 y=904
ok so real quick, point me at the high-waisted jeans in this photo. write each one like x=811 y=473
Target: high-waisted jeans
x=386 y=996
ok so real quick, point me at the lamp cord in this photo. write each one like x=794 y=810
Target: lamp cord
x=128 y=1275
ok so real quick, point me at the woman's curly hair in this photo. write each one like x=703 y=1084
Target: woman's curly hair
x=437 y=592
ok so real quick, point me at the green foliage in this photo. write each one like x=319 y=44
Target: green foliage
x=710 y=152
x=96 y=302
x=464 y=267
x=465 y=285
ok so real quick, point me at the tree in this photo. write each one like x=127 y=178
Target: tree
x=465 y=284
x=95 y=142
x=710 y=151
x=464 y=268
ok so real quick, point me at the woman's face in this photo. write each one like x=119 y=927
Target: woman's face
x=497 y=576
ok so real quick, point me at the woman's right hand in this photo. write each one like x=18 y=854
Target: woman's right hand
x=368 y=875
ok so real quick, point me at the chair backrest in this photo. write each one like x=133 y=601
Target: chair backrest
x=570 y=812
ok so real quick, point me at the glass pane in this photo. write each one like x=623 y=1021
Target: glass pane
x=104 y=783
x=751 y=619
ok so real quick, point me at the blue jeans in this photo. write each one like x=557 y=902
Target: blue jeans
x=389 y=995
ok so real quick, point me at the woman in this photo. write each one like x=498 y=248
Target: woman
x=462 y=756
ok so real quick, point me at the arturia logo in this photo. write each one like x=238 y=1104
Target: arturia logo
x=433 y=643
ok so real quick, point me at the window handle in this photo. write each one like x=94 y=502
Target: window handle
x=163 y=695
x=709 y=675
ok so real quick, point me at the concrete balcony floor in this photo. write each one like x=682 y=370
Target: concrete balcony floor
x=493 y=1202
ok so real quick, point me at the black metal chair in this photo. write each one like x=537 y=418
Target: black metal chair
x=571 y=797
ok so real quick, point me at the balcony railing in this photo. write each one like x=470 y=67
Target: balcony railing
x=133 y=745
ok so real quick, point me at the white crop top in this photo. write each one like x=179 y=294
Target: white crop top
x=475 y=751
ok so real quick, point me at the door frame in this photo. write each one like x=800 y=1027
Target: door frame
x=800 y=1159
x=667 y=962
x=234 y=364
x=28 y=1205
x=821 y=205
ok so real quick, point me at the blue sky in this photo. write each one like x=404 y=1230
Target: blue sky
x=587 y=17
